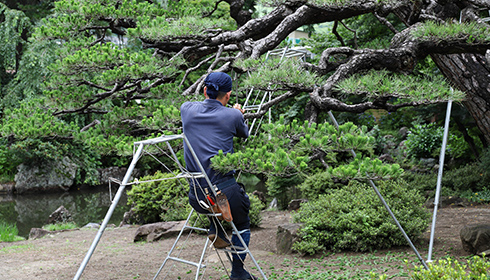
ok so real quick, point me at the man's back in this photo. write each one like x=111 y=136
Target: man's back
x=209 y=126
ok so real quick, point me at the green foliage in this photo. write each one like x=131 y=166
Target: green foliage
x=352 y=218
x=317 y=184
x=256 y=207
x=38 y=136
x=8 y=164
x=186 y=27
x=12 y=25
x=75 y=17
x=425 y=140
x=484 y=163
x=283 y=188
x=471 y=32
x=412 y=88
x=9 y=233
x=60 y=226
x=32 y=73
x=370 y=32
x=476 y=268
x=463 y=181
x=90 y=73
x=367 y=168
x=34 y=120
x=280 y=75
x=160 y=197
x=287 y=149
x=36 y=10
x=482 y=196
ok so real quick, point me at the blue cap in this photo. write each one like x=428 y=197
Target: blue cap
x=216 y=82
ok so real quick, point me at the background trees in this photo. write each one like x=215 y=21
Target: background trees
x=93 y=76
x=98 y=75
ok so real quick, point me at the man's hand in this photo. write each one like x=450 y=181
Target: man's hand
x=239 y=107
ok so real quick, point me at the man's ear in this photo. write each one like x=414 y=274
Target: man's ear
x=205 y=93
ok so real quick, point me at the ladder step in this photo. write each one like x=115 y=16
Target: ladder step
x=234 y=250
x=190 y=175
x=160 y=139
x=187 y=262
x=197 y=228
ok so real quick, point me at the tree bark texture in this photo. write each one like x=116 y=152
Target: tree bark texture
x=471 y=74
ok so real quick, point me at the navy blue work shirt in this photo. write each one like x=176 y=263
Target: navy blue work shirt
x=209 y=126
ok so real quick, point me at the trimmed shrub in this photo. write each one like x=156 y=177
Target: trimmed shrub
x=160 y=198
x=476 y=268
x=317 y=184
x=352 y=218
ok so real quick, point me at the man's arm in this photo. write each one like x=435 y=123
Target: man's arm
x=242 y=128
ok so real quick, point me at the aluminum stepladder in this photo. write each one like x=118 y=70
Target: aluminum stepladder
x=254 y=103
x=137 y=153
x=195 y=175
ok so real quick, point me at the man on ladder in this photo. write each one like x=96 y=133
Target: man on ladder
x=210 y=127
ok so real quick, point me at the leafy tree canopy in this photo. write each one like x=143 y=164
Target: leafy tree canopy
x=123 y=67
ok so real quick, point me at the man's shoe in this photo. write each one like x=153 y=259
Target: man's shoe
x=218 y=242
x=243 y=276
x=251 y=277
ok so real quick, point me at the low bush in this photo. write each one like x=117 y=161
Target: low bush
x=317 y=184
x=160 y=197
x=424 y=140
x=456 y=182
x=484 y=163
x=475 y=268
x=60 y=226
x=353 y=218
x=9 y=233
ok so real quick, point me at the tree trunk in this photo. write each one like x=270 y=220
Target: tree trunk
x=470 y=73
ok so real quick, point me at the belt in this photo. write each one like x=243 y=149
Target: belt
x=226 y=184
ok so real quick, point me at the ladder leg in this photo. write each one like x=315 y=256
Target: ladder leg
x=202 y=258
x=175 y=244
x=247 y=250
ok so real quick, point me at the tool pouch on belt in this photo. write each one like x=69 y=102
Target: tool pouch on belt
x=224 y=206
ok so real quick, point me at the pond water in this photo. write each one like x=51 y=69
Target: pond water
x=85 y=206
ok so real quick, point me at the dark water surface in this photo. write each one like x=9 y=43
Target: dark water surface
x=85 y=206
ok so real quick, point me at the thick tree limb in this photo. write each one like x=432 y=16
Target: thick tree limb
x=334 y=104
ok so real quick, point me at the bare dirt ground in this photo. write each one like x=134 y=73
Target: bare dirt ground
x=58 y=256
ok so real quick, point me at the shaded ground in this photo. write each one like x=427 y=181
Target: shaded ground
x=59 y=256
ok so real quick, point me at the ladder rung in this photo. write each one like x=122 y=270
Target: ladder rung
x=250 y=107
x=191 y=175
x=197 y=228
x=187 y=262
x=213 y=214
x=235 y=250
x=160 y=139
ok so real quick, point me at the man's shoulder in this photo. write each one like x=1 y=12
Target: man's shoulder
x=189 y=104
